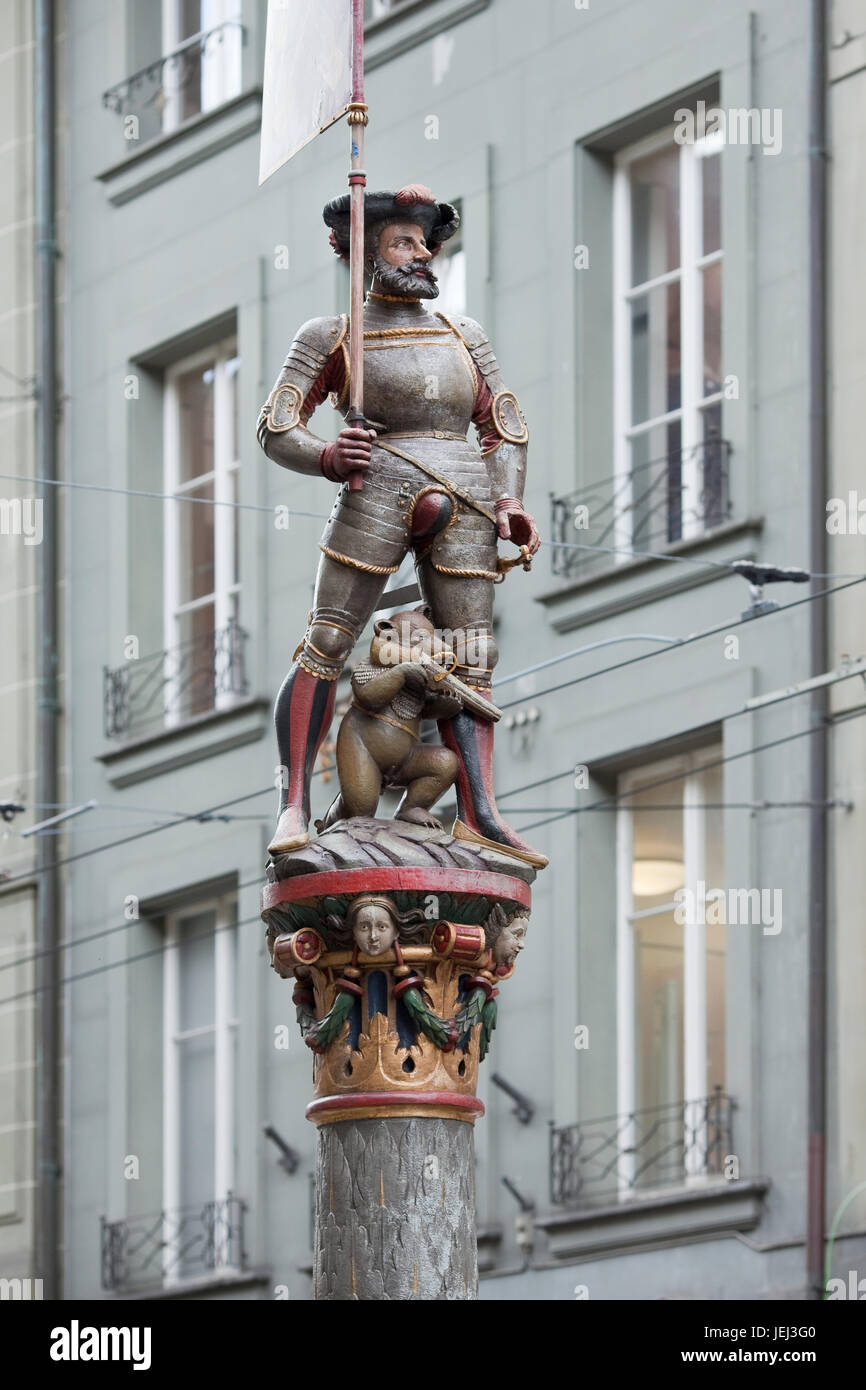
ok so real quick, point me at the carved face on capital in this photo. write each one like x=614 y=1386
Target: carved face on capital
x=400 y=262
x=374 y=929
x=510 y=941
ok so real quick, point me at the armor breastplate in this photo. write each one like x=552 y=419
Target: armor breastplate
x=418 y=375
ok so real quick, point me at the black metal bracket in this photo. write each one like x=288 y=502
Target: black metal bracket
x=757 y=576
x=289 y=1158
x=524 y=1110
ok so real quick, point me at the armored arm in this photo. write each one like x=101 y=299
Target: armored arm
x=315 y=365
x=502 y=429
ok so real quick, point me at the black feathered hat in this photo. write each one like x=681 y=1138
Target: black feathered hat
x=414 y=203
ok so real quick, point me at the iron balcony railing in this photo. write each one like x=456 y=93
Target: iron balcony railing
x=172 y=1246
x=665 y=500
x=166 y=689
x=153 y=86
x=622 y=1156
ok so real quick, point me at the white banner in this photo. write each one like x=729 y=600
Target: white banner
x=308 y=75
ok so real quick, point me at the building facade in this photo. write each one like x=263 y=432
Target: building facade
x=633 y=182
x=25 y=535
x=846 y=552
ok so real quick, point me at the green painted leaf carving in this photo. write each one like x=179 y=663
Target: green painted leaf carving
x=334 y=904
x=301 y=915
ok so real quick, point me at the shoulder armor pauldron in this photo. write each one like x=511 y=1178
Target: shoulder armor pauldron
x=476 y=341
x=315 y=341
x=506 y=416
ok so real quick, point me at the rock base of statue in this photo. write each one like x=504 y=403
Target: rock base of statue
x=388 y=844
x=398 y=938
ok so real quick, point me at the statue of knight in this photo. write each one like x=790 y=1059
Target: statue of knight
x=411 y=481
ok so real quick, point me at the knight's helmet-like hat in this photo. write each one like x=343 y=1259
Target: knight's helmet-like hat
x=414 y=203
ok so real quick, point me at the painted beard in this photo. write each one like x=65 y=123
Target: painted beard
x=405 y=280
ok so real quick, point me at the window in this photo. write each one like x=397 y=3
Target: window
x=669 y=458
x=201 y=582
x=201 y=40
x=670 y=961
x=199 y=1071
x=449 y=267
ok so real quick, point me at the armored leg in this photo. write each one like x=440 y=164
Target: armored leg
x=344 y=599
x=466 y=604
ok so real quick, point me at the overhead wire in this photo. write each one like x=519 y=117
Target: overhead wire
x=726 y=566
x=576 y=680
x=606 y=803
x=128 y=960
x=680 y=642
x=127 y=925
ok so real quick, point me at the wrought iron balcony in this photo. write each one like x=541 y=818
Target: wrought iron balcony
x=623 y=1156
x=665 y=500
x=155 y=85
x=172 y=1246
x=166 y=689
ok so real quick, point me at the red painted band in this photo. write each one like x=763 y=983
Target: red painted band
x=465 y=882
x=300 y=711
x=411 y=982
x=364 y=1100
x=349 y=987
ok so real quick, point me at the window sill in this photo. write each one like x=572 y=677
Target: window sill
x=678 y=1217
x=196 y=140
x=396 y=33
x=209 y=734
x=583 y=601
x=215 y=1283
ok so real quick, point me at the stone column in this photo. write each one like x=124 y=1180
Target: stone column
x=395 y=1210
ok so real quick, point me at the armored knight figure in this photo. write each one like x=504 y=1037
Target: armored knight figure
x=410 y=480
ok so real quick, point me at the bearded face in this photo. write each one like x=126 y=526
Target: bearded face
x=400 y=261
x=415 y=280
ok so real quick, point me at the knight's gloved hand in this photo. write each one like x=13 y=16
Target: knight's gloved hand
x=514 y=524
x=350 y=453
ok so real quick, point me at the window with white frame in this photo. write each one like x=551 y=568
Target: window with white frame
x=201 y=579
x=669 y=455
x=200 y=1040
x=202 y=41
x=670 y=963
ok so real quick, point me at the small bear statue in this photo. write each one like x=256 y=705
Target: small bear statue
x=379 y=741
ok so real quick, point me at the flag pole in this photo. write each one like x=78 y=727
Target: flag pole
x=357 y=117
